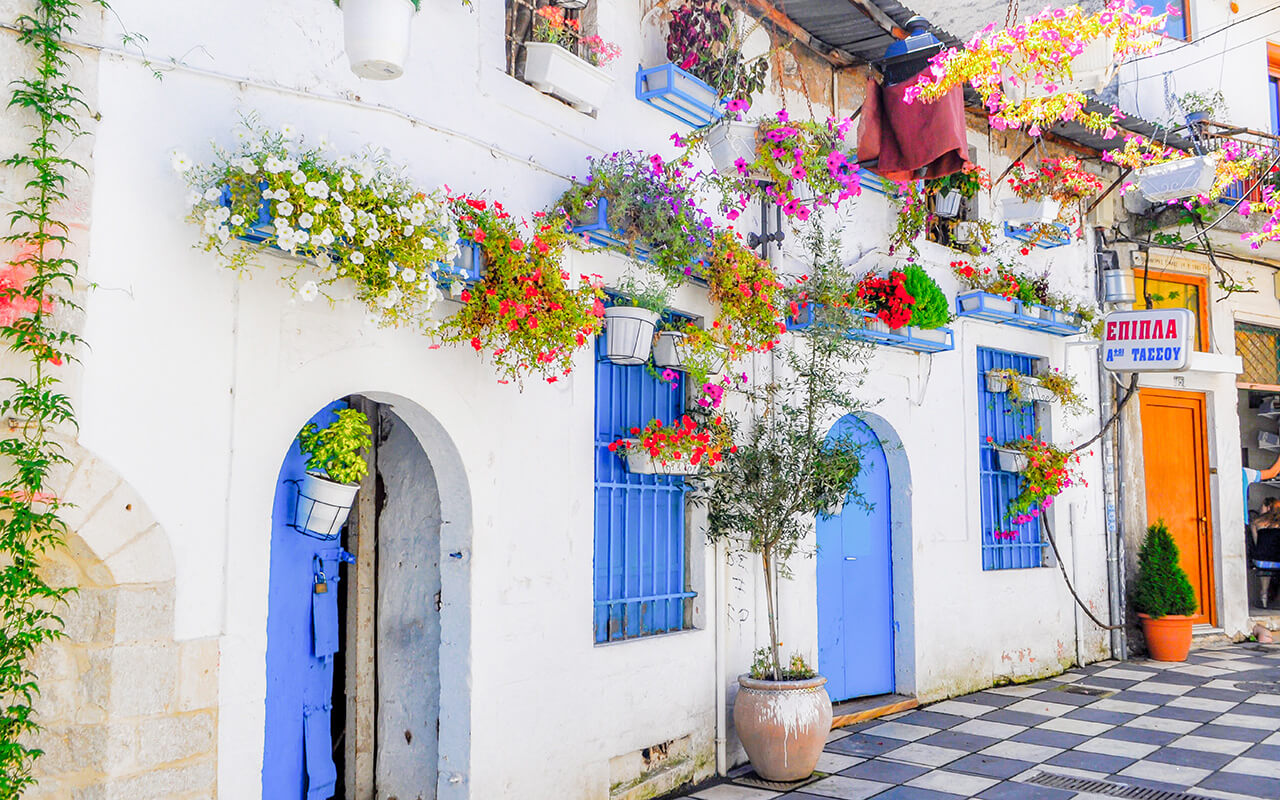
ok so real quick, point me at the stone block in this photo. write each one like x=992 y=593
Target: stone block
x=144 y=613
x=95 y=684
x=177 y=738
x=88 y=485
x=117 y=520
x=58 y=701
x=163 y=783
x=198 y=662
x=146 y=559
x=89 y=616
x=143 y=679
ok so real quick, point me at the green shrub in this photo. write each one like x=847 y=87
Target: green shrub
x=335 y=448
x=931 y=308
x=1162 y=587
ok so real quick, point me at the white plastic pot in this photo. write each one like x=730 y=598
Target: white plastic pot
x=1028 y=388
x=628 y=334
x=934 y=335
x=730 y=140
x=1183 y=177
x=947 y=204
x=1011 y=460
x=669 y=350
x=1029 y=212
x=640 y=462
x=990 y=302
x=551 y=69
x=323 y=505
x=376 y=36
x=964 y=232
x=1091 y=71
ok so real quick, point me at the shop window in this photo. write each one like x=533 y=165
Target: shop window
x=1178 y=24
x=1171 y=290
x=1259 y=350
x=521 y=16
x=1005 y=545
x=640 y=581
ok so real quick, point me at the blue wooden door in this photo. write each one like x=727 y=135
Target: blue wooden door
x=855 y=580
x=302 y=643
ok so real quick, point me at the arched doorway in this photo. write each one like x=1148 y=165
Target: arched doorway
x=855 y=579
x=354 y=678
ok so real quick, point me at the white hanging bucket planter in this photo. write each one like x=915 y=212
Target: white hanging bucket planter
x=1118 y=286
x=1091 y=71
x=376 y=36
x=628 y=334
x=322 y=506
x=669 y=351
x=1183 y=177
x=553 y=70
x=1011 y=460
x=641 y=463
x=728 y=141
x=947 y=204
x=1029 y=212
x=1028 y=387
x=964 y=232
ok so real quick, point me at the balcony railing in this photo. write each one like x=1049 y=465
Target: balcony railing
x=1214 y=137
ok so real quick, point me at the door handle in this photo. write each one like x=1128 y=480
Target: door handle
x=850 y=558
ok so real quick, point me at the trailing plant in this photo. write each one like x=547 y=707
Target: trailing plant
x=1000 y=281
x=334 y=450
x=523 y=311
x=797 y=669
x=887 y=298
x=913 y=218
x=680 y=442
x=552 y=26
x=1162 y=587
x=786 y=468
x=360 y=219
x=41 y=279
x=930 y=308
x=1210 y=101
x=967 y=183
x=703 y=40
x=1062 y=179
x=1062 y=386
x=652 y=203
x=1049 y=472
x=748 y=294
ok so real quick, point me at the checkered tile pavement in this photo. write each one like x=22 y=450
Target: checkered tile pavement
x=1209 y=727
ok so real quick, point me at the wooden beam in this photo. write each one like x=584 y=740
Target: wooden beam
x=874 y=13
x=360 y=743
x=764 y=11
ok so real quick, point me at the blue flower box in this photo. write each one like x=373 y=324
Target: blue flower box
x=1039 y=235
x=871 y=329
x=871 y=182
x=467 y=268
x=595 y=228
x=1007 y=311
x=260 y=231
x=678 y=94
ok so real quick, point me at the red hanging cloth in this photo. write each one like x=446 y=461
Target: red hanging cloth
x=896 y=139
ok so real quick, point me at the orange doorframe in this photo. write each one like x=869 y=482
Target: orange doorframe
x=1160 y=447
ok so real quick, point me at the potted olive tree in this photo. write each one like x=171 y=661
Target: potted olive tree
x=1163 y=596
x=334 y=470
x=783 y=472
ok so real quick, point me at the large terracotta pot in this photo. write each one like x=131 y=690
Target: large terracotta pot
x=783 y=725
x=1168 y=637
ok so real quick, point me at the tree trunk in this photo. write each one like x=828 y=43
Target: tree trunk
x=766 y=557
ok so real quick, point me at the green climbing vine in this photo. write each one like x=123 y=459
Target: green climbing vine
x=37 y=288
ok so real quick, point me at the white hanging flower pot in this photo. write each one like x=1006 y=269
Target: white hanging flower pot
x=628 y=334
x=553 y=70
x=729 y=141
x=1028 y=387
x=964 y=232
x=1011 y=460
x=1090 y=71
x=947 y=204
x=1183 y=177
x=641 y=463
x=1029 y=212
x=323 y=505
x=376 y=36
x=669 y=350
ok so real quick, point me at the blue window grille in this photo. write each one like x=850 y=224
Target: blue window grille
x=1002 y=420
x=639 y=537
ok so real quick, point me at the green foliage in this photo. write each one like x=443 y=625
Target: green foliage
x=1162 y=587
x=786 y=469
x=29 y=525
x=335 y=448
x=796 y=670
x=931 y=308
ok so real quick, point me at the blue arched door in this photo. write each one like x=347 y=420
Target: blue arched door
x=855 y=580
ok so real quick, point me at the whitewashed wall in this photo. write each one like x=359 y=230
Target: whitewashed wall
x=196 y=383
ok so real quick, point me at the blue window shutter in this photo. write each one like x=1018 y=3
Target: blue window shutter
x=639 y=577
x=1002 y=420
x=322 y=773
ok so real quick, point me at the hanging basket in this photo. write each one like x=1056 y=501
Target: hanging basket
x=1029 y=212
x=1028 y=388
x=947 y=204
x=669 y=350
x=1011 y=460
x=728 y=141
x=641 y=463
x=322 y=506
x=1172 y=180
x=628 y=334
x=1090 y=71
x=553 y=70
x=376 y=36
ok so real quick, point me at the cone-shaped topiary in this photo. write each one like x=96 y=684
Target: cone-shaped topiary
x=1162 y=587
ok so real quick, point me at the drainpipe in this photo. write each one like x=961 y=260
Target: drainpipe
x=1112 y=486
x=722 y=622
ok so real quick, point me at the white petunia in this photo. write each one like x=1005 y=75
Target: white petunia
x=224 y=235
x=319 y=208
x=357 y=257
x=288 y=131
x=309 y=291
x=345 y=212
x=273 y=165
x=248 y=166
x=222 y=214
x=408 y=230
x=325 y=237
x=285 y=208
x=237 y=219
x=348 y=185
x=289 y=164
x=305 y=220
x=194 y=197
x=299 y=178
x=213 y=195
x=322 y=258
x=302 y=237
x=181 y=163
x=349 y=230
x=408 y=274
x=392 y=269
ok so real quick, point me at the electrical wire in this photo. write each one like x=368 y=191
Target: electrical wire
x=1206 y=35
x=1044 y=522
x=1267 y=35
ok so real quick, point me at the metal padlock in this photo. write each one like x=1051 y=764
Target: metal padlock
x=321 y=584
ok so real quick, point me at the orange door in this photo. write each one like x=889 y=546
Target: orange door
x=1176 y=457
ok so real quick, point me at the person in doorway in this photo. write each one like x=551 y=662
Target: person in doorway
x=1253 y=476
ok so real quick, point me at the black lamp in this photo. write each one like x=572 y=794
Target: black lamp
x=906 y=58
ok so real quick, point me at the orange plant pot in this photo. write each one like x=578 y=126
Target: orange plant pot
x=1168 y=637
